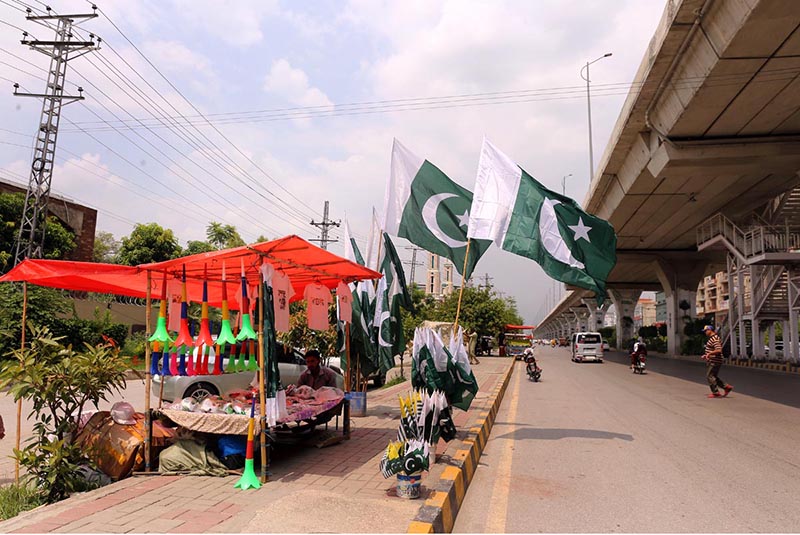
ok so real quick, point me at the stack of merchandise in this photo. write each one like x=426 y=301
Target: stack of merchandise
x=424 y=418
x=436 y=367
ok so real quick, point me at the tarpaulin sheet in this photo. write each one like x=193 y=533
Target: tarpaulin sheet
x=520 y=327
x=302 y=261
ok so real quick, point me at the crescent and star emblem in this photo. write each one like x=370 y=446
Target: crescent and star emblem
x=429 y=211
x=551 y=237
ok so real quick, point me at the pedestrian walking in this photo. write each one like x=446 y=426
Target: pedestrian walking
x=713 y=358
x=472 y=345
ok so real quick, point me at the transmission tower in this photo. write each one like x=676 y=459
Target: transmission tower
x=30 y=240
x=486 y=278
x=324 y=225
x=414 y=262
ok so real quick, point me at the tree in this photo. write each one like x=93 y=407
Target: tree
x=45 y=307
x=223 y=236
x=59 y=381
x=105 y=247
x=481 y=309
x=58 y=240
x=148 y=242
x=197 y=247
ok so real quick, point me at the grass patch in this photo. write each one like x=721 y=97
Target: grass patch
x=396 y=381
x=15 y=499
x=135 y=363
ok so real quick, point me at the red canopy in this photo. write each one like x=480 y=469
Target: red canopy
x=519 y=327
x=302 y=261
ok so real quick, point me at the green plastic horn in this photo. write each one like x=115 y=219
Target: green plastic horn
x=161 y=334
x=246 y=332
x=225 y=335
x=249 y=480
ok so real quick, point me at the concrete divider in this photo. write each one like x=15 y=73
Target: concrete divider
x=438 y=514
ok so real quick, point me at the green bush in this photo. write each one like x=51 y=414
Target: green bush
x=59 y=381
x=16 y=498
x=135 y=345
x=101 y=329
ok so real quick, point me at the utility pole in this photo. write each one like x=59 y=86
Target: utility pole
x=30 y=240
x=486 y=279
x=414 y=262
x=324 y=225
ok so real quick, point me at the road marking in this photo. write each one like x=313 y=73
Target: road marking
x=498 y=505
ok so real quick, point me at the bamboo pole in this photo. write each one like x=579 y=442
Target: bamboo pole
x=19 y=401
x=461 y=291
x=147 y=379
x=261 y=388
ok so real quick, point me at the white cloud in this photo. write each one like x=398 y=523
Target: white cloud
x=236 y=23
x=291 y=83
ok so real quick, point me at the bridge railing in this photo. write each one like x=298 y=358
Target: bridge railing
x=753 y=242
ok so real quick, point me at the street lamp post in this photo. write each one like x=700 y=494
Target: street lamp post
x=564 y=184
x=589 y=109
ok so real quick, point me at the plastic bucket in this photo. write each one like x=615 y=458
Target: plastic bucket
x=408 y=485
x=358 y=403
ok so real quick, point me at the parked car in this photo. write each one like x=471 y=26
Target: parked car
x=587 y=347
x=606 y=347
x=778 y=349
x=291 y=364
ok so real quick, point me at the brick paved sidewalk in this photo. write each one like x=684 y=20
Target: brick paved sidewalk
x=334 y=489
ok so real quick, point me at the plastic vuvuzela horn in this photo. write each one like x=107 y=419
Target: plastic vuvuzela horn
x=225 y=335
x=155 y=357
x=246 y=332
x=184 y=337
x=161 y=334
x=204 y=337
x=249 y=478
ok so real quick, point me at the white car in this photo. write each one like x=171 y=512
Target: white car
x=290 y=364
x=606 y=347
x=587 y=347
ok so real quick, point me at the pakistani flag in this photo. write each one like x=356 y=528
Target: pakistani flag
x=428 y=209
x=351 y=250
x=523 y=217
x=392 y=294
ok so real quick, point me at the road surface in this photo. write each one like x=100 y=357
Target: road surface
x=594 y=448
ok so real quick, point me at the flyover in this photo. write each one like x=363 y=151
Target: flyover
x=710 y=128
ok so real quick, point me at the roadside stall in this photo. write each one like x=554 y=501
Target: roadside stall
x=518 y=338
x=264 y=278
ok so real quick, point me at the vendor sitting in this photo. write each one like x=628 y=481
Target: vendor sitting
x=316 y=376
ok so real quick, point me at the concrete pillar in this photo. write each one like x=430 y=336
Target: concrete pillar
x=758 y=341
x=624 y=302
x=597 y=314
x=772 y=339
x=679 y=281
x=740 y=301
x=581 y=318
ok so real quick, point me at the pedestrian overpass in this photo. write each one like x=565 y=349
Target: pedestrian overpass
x=702 y=174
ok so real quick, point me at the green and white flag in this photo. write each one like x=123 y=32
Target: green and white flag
x=351 y=250
x=523 y=217
x=392 y=294
x=428 y=209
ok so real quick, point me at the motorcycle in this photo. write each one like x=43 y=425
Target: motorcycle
x=534 y=372
x=639 y=365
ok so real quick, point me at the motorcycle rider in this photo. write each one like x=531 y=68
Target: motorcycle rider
x=530 y=360
x=639 y=350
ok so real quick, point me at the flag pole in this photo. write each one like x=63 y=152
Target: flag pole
x=19 y=401
x=147 y=378
x=463 y=283
x=261 y=389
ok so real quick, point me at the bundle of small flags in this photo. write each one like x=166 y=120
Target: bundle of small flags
x=417 y=435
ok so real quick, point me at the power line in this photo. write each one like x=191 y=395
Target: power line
x=200 y=113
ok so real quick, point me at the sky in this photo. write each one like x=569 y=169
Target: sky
x=254 y=113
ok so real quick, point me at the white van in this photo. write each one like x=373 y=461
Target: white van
x=587 y=347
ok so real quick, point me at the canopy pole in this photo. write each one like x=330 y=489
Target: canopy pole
x=261 y=389
x=347 y=366
x=147 y=379
x=19 y=401
x=461 y=291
